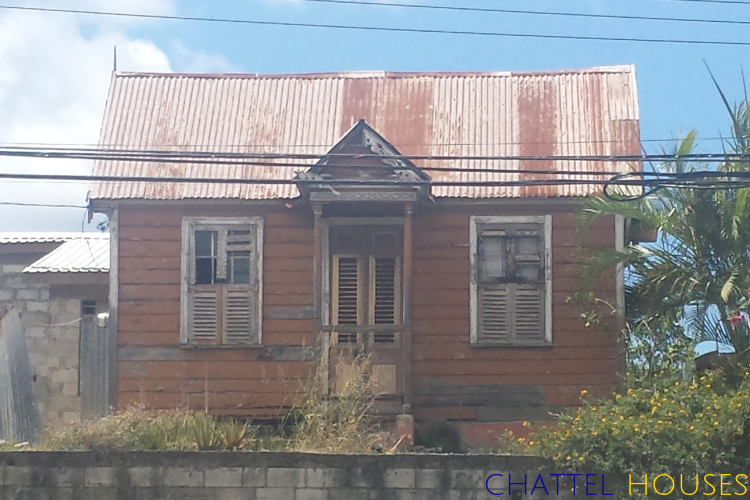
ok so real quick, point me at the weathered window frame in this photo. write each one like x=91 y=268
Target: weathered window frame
x=189 y=226
x=475 y=223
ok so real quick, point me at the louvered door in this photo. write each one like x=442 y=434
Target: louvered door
x=366 y=304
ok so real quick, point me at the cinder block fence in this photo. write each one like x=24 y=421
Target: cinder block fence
x=259 y=476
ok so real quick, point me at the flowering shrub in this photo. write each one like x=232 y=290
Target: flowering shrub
x=676 y=428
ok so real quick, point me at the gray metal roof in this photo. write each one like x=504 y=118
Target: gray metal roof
x=88 y=253
x=37 y=237
x=578 y=112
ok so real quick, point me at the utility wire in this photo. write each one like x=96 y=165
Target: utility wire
x=384 y=29
x=236 y=158
x=490 y=10
x=433 y=144
x=44 y=205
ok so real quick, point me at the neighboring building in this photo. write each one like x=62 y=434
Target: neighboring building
x=457 y=292
x=54 y=280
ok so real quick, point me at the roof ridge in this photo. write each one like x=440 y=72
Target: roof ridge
x=622 y=68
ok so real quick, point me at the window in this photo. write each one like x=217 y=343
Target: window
x=511 y=292
x=221 y=281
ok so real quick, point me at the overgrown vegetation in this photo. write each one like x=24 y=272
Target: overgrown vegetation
x=676 y=428
x=318 y=423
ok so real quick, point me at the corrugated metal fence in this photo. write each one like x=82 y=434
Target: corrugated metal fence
x=19 y=412
x=94 y=371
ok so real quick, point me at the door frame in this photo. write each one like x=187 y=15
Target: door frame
x=325 y=269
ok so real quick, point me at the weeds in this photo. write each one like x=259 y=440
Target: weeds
x=339 y=423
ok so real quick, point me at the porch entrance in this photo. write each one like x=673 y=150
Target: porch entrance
x=365 y=307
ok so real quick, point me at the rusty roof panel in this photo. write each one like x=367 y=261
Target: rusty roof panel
x=580 y=112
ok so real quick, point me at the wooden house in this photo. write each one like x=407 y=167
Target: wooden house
x=408 y=216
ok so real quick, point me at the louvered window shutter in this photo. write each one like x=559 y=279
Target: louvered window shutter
x=223 y=290
x=511 y=288
x=494 y=311
x=240 y=293
x=347 y=296
x=384 y=284
x=204 y=317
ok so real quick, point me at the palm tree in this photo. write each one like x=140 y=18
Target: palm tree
x=698 y=270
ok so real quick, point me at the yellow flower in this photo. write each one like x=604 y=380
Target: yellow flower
x=584 y=392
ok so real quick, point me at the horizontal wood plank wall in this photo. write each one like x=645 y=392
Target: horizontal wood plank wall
x=154 y=370
x=444 y=363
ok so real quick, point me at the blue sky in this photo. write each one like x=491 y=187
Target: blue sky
x=54 y=68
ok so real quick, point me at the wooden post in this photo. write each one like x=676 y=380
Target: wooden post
x=407 y=348
x=320 y=336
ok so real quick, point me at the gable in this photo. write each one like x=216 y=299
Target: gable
x=378 y=159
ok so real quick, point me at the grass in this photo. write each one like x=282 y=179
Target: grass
x=318 y=423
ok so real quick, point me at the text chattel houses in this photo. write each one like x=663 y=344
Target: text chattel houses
x=397 y=215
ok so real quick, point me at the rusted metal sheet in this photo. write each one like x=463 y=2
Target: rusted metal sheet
x=19 y=412
x=94 y=370
x=577 y=112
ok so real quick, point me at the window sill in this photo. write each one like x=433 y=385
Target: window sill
x=221 y=346
x=482 y=345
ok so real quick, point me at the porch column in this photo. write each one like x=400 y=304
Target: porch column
x=407 y=273
x=318 y=270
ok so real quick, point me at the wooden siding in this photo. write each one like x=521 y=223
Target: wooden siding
x=154 y=370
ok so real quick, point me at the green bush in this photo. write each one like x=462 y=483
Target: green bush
x=676 y=428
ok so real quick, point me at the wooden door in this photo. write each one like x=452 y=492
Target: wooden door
x=366 y=300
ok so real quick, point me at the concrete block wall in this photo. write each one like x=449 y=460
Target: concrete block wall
x=262 y=476
x=52 y=340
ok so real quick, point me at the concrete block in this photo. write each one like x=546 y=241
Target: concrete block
x=35 y=332
x=63 y=375
x=15 y=282
x=144 y=477
x=6 y=295
x=429 y=478
x=282 y=477
x=360 y=478
x=467 y=479
x=254 y=477
x=399 y=478
x=497 y=482
x=19 y=476
x=37 y=306
x=27 y=294
x=224 y=477
x=234 y=494
x=311 y=494
x=347 y=494
x=274 y=494
x=324 y=478
x=100 y=476
x=69 y=477
x=44 y=293
x=415 y=495
x=70 y=389
x=182 y=476
x=13 y=268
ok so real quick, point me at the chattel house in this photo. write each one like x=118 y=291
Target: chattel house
x=376 y=233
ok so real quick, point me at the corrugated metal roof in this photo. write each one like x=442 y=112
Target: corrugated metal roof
x=39 y=237
x=85 y=254
x=577 y=112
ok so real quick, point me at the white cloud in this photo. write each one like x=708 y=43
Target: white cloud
x=196 y=61
x=54 y=80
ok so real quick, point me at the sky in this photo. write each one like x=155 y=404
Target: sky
x=55 y=68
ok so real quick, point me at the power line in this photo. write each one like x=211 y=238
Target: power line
x=44 y=205
x=412 y=145
x=383 y=28
x=731 y=2
x=491 y=10
x=242 y=158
